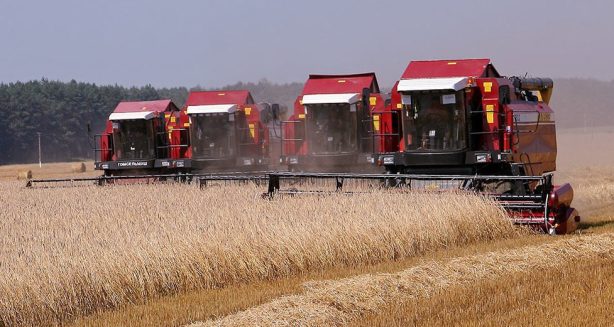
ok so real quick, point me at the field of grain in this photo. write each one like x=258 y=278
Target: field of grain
x=169 y=254
x=71 y=252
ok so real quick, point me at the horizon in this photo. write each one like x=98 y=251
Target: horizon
x=262 y=80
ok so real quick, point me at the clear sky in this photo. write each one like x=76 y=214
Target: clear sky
x=214 y=43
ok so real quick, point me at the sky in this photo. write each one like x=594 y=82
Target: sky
x=214 y=43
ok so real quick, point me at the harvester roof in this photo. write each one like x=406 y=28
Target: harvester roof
x=450 y=68
x=141 y=109
x=238 y=97
x=444 y=74
x=340 y=84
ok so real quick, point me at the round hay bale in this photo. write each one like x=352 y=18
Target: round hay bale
x=24 y=174
x=78 y=167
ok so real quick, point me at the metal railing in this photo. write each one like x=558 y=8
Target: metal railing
x=294 y=140
x=382 y=138
x=97 y=149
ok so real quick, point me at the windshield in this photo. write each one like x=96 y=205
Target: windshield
x=133 y=139
x=434 y=121
x=331 y=128
x=212 y=135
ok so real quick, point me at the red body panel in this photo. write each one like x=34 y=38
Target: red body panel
x=489 y=88
x=106 y=150
x=391 y=139
x=178 y=124
x=332 y=84
x=258 y=130
x=447 y=68
x=156 y=106
x=294 y=130
x=238 y=97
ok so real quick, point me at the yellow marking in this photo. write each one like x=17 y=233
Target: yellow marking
x=173 y=119
x=341 y=81
x=170 y=128
x=252 y=129
x=248 y=111
x=490 y=113
x=186 y=124
x=301 y=116
x=376 y=123
x=452 y=63
x=221 y=94
x=487 y=87
x=399 y=106
x=167 y=115
x=372 y=101
x=539 y=96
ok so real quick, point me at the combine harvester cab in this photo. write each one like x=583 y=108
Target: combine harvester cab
x=136 y=135
x=461 y=119
x=332 y=128
x=226 y=133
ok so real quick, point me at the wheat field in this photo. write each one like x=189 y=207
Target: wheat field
x=67 y=253
x=339 y=302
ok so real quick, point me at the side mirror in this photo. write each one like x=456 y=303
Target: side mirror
x=504 y=95
x=275 y=111
x=366 y=93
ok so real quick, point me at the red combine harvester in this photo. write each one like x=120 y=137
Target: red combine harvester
x=462 y=118
x=333 y=127
x=226 y=133
x=137 y=134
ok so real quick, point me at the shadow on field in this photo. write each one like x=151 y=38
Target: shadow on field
x=597 y=224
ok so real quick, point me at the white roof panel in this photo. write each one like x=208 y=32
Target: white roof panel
x=212 y=109
x=131 y=115
x=426 y=84
x=331 y=98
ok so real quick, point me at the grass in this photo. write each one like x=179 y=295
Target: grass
x=338 y=302
x=72 y=252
